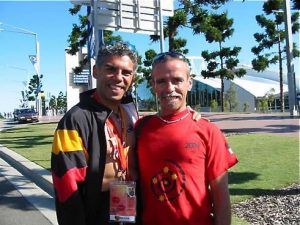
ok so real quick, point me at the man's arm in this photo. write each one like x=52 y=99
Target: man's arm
x=221 y=200
x=68 y=167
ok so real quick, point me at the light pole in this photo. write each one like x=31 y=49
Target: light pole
x=289 y=57
x=22 y=31
x=35 y=59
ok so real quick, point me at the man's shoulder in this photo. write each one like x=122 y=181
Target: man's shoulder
x=205 y=123
x=74 y=117
x=74 y=112
x=141 y=123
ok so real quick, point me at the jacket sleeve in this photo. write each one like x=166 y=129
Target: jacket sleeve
x=68 y=167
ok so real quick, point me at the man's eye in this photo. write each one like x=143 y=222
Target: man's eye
x=127 y=73
x=160 y=81
x=110 y=68
x=178 y=81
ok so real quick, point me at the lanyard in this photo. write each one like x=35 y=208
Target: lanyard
x=120 y=148
x=118 y=140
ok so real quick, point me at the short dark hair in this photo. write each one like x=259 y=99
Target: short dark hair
x=118 y=48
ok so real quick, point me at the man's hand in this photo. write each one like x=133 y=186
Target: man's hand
x=196 y=115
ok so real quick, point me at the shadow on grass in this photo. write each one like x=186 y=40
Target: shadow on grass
x=241 y=177
x=15 y=131
x=256 y=192
x=20 y=138
x=27 y=142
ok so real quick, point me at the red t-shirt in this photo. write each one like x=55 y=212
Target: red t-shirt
x=177 y=161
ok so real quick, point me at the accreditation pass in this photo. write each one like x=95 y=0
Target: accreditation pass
x=122 y=207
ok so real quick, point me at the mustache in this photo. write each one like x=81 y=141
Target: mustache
x=170 y=95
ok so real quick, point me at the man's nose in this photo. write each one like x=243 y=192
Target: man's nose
x=170 y=87
x=118 y=74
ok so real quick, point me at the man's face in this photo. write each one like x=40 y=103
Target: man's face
x=171 y=83
x=114 y=77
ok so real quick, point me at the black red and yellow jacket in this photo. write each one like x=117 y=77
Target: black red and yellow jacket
x=78 y=161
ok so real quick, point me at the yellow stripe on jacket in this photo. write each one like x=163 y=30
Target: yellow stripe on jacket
x=67 y=141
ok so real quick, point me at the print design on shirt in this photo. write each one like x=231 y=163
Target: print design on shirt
x=168 y=183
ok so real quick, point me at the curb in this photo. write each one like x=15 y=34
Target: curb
x=39 y=175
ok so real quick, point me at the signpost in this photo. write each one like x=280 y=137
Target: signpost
x=135 y=16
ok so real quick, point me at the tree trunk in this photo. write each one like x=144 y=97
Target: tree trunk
x=222 y=94
x=171 y=41
x=222 y=79
x=280 y=77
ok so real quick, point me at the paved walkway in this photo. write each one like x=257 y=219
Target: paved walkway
x=25 y=189
x=281 y=124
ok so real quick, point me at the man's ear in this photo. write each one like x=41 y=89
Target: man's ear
x=134 y=78
x=152 y=82
x=95 y=75
x=190 y=85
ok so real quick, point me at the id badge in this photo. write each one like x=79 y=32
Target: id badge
x=122 y=201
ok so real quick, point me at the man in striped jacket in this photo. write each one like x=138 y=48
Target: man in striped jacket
x=94 y=140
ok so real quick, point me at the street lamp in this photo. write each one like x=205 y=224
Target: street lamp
x=24 y=31
x=289 y=57
x=35 y=59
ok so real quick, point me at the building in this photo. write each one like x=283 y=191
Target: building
x=249 y=88
x=76 y=83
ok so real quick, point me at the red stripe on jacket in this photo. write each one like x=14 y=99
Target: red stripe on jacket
x=66 y=185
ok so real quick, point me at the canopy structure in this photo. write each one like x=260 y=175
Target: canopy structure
x=256 y=83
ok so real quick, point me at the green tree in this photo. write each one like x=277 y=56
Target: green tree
x=79 y=36
x=270 y=97
x=231 y=98
x=223 y=62
x=226 y=106
x=214 y=106
x=273 y=36
x=263 y=104
x=58 y=103
x=53 y=103
x=24 y=100
x=61 y=101
x=246 y=107
x=147 y=62
x=172 y=25
x=178 y=20
x=34 y=87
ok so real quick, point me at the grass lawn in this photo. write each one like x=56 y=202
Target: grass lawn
x=33 y=141
x=266 y=162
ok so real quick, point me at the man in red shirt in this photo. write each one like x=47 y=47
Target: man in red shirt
x=183 y=163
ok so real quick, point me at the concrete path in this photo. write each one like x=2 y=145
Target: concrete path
x=25 y=189
x=22 y=200
x=281 y=124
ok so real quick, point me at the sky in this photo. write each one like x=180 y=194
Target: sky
x=52 y=24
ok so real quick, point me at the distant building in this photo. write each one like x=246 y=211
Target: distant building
x=76 y=83
x=249 y=88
